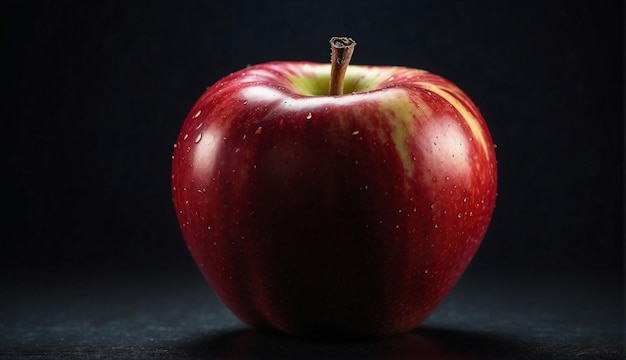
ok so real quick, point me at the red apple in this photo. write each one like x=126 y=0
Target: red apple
x=345 y=214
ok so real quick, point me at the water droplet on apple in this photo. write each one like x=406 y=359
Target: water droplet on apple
x=258 y=130
x=458 y=215
x=309 y=116
x=447 y=178
x=198 y=138
x=432 y=206
x=197 y=114
x=356 y=132
x=464 y=199
x=185 y=137
x=426 y=271
x=175 y=145
x=436 y=226
x=471 y=213
x=199 y=126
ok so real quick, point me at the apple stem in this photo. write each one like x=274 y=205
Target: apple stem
x=341 y=49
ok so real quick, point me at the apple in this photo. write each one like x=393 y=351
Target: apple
x=333 y=205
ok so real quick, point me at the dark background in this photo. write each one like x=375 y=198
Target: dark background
x=95 y=93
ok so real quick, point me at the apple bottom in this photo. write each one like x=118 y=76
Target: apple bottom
x=344 y=292
x=338 y=309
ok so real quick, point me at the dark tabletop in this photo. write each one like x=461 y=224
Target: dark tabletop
x=149 y=315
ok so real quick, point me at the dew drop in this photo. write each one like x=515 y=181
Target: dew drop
x=258 y=131
x=447 y=178
x=185 y=137
x=464 y=199
x=309 y=116
x=432 y=206
x=198 y=138
x=197 y=114
x=458 y=215
x=356 y=132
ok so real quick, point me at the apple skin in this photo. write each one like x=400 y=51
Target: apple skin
x=333 y=215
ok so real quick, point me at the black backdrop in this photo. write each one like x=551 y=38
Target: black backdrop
x=95 y=93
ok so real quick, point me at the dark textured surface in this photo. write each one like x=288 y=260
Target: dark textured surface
x=152 y=316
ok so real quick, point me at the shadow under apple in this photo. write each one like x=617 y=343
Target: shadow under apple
x=424 y=342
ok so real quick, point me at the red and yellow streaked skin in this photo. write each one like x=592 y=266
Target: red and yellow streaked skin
x=319 y=214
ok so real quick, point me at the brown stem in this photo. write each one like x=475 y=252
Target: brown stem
x=341 y=49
